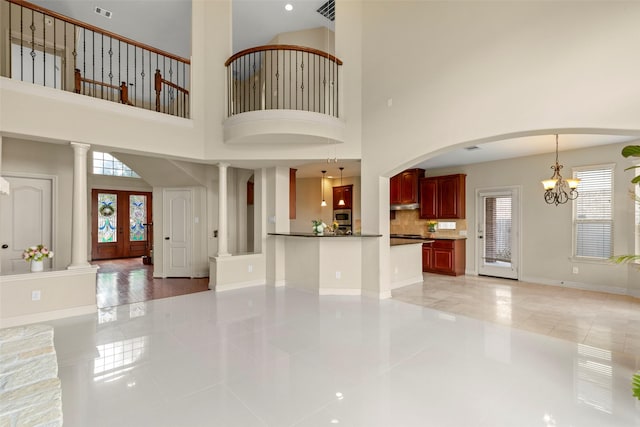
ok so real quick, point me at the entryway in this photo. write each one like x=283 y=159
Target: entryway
x=120 y=224
x=128 y=281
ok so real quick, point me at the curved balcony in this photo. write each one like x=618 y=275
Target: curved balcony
x=283 y=93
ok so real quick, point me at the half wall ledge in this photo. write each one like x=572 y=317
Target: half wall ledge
x=61 y=293
x=283 y=127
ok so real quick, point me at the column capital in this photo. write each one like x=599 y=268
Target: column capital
x=223 y=165
x=79 y=146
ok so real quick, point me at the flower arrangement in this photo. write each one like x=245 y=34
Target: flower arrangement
x=431 y=225
x=318 y=226
x=36 y=253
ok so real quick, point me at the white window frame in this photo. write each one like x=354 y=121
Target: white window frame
x=117 y=165
x=576 y=221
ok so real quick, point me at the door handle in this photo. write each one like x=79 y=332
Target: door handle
x=479 y=237
x=166 y=238
x=5 y=246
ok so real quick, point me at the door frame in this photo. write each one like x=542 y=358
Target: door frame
x=93 y=236
x=54 y=205
x=516 y=229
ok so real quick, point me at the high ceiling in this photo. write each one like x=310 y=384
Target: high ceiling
x=256 y=22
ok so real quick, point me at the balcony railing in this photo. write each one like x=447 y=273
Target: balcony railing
x=277 y=77
x=53 y=50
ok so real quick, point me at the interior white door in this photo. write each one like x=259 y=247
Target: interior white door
x=26 y=220
x=497 y=232
x=177 y=232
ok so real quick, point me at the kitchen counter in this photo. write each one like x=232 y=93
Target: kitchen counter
x=396 y=241
x=435 y=236
x=297 y=234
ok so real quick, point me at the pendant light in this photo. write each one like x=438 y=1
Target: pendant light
x=324 y=202
x=558 y=190
x=341 y=201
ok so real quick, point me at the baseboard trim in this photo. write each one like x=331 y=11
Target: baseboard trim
x=47 y=316
x=339 y=291
x=576 y=285
x=238 y=285
x=407 y=282
x=376 y=295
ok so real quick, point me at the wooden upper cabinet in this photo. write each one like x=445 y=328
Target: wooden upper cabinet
x=344 y=192
x=443 y=197
x=404 y=187
x=292 y=193
x=428 y=198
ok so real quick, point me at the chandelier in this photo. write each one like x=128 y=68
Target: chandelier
x=558 y=190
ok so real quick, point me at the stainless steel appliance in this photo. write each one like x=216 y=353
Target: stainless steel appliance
x=342 y=217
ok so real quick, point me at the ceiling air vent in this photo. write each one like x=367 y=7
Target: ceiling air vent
x=473 y=147
x=328 y=10
x=104 y=12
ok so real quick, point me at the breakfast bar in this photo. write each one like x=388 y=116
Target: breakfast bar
x=329 y=264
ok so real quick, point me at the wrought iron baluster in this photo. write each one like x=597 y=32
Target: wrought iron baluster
x=33 y=48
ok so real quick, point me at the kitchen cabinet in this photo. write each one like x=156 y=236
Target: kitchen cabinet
x=444 y=256
x=344 y=192
x=443 y=197
x=404 y=187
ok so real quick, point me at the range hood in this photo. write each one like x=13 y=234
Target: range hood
x=407 y=207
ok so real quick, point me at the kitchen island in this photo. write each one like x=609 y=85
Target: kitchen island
x=406 y=259
x=327 y=264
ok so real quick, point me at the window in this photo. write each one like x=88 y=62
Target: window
x=593 y=212
x=106 y=164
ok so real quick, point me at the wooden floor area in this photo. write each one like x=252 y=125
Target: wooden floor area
x=126 y=281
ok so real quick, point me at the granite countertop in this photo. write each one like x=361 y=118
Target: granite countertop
x=394 y=241
x=294 y=234
x=433 y=236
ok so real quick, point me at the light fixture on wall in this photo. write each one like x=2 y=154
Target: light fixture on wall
x=324 y=202
x=558 y=190
x=341 y=201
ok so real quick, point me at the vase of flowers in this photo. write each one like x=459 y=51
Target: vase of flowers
x=35 y=255
x=318 y=227
x=431 y=226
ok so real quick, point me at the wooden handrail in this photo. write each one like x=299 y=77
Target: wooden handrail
x=282 y=47
x=98 y=30
x=123 y=89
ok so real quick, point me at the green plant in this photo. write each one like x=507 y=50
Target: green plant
x=635 y=385
x=630 y=151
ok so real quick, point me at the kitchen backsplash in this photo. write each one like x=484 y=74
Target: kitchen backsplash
x=409 y=222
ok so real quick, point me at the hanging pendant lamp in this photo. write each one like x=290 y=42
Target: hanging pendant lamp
x=557 y=189
x=324 y=202
x=341 y=201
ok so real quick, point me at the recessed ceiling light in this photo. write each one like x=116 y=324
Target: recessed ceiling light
x=288 y=7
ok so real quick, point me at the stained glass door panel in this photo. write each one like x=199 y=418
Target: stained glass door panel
x=119 y=224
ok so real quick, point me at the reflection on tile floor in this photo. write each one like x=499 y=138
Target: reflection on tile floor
x=606 y=321
x=282 y=357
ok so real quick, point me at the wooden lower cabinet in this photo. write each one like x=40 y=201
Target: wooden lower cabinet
x=444 y=256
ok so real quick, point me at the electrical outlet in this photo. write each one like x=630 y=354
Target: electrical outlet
x=35 y=295
x=338 y=275
x=250 y=268
x=575 y=270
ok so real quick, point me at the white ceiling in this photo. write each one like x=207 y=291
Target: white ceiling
x=256 y=22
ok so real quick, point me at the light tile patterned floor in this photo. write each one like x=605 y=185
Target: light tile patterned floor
x=607 y=321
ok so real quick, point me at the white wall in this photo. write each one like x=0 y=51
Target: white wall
x=546 y=238
x=31 y=157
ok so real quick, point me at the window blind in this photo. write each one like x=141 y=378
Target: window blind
x=497 y=229
x=593 y=212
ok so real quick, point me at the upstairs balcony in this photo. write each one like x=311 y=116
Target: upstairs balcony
x=50 y=49
x=283 y=94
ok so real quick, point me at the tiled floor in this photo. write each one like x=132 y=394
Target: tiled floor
x=128 y=280
x=281 y=357
x=606 y=321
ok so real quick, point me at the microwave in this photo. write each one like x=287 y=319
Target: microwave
x=342 y=216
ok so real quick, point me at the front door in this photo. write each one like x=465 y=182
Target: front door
x=25 y=218
x=498 y=233
x=119 y=226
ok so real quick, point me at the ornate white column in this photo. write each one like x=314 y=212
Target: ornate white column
x=79 y=222
x=222 y=210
